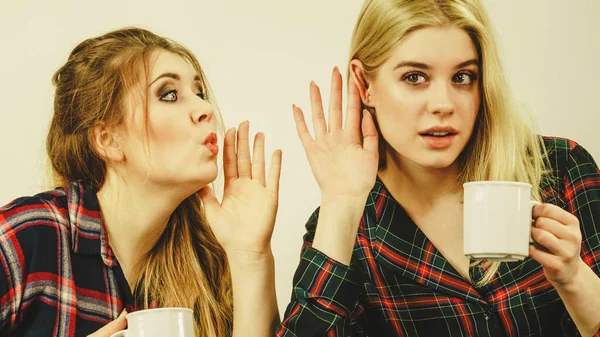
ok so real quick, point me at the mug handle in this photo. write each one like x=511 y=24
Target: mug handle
x=533 y=204
x=122 y=333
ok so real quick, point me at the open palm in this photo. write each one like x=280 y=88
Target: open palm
x=244 y=219
x=342 y=163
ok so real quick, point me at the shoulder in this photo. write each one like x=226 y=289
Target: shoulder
x=565 y=149
x=558 y=149
x=569 y=159
x=46 y=209
x=32 y=228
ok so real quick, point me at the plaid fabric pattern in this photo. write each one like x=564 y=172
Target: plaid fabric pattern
x=399 y=284
x=58 y=275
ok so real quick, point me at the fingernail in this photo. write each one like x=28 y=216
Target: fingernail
x=365 y=112
x=336 y=69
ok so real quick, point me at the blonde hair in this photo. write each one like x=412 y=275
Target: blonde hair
x=504 y=144
x=187 y=267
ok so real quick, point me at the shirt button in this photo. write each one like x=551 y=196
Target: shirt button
x=488 y=314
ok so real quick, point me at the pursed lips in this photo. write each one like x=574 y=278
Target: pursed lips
x=210 y=142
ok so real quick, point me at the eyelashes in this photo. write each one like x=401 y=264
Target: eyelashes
x=169 y=96
x=202 y=95
x=460 y=77
x=172 y=95
x=416 y=78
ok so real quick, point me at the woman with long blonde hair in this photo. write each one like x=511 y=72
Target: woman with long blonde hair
x=134 y=223
x=383 y=255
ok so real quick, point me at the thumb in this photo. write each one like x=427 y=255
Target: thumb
x=370 y=137
x=115 y=326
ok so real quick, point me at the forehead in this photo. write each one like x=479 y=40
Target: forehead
x=163 y=61
x=442 y=46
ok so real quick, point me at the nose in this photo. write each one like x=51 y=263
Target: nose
x=440 y=101
x=202 y=112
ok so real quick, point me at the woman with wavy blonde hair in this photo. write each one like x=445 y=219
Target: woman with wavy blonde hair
x=134 y=224
x=383 y=255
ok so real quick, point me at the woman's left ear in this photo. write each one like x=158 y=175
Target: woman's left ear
x=362 y=83
x=106 y=142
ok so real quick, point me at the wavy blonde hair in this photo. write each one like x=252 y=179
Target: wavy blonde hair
x=504 y=144
x=187 y=267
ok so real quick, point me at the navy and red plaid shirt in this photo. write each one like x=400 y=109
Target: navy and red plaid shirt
x=58 y=275
x=399 y=284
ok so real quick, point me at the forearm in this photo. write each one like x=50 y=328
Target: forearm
x=337 y=227
x=255 y=310
x=582 y=300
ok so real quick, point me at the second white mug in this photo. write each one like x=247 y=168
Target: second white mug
x=159 y=322
x=497 y=218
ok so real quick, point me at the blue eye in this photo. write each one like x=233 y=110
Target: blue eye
x=170 y=96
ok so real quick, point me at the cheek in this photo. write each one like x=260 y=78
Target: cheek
x=470 y=105
x=163 y=129
x=162 y=134
x=397 y=112
x=396 y=127
x=395 y=97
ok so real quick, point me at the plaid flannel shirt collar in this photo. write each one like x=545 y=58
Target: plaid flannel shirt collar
x=400 y=246
x=88 y=234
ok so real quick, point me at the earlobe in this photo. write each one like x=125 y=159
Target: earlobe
x=363 y=84
x=105 y=142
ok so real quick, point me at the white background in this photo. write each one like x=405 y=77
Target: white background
x=260 y=56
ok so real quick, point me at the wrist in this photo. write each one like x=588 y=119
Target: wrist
x=574 y=283
x=341 y=217
x=337 y=227
x=250 y=260
x=344 y=200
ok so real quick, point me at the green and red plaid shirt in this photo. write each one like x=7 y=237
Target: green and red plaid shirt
x=399 y=284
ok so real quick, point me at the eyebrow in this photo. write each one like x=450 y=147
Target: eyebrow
x=173 y=76
x=425 y=66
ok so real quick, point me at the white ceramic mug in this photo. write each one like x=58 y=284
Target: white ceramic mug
x=497 y=217
x=159 y=322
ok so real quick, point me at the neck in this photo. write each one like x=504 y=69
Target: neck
x=135 y=216
x=419 y=187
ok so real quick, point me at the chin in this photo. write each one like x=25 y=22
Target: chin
x=437 y=165
x=437 y=161
x=203 y=179
x=194 y=181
